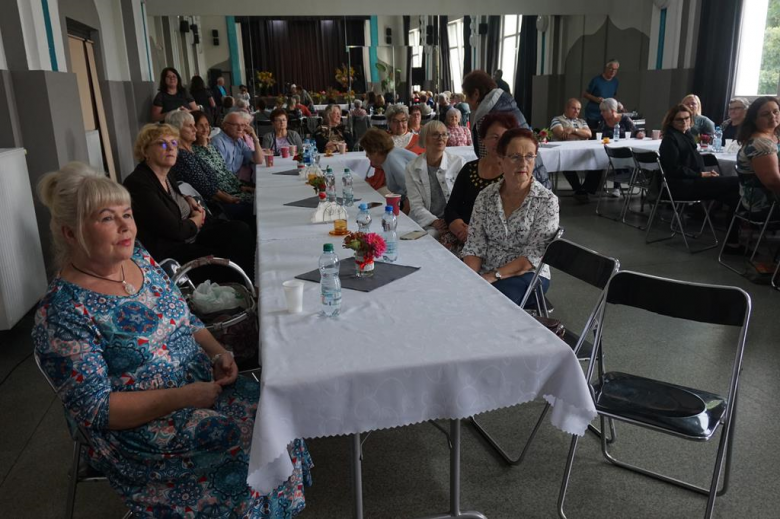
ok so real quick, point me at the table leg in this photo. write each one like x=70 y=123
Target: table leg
x=357 y=476
x=455 y=480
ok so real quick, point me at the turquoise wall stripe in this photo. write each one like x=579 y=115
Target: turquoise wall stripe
x=49 y=35
x=659 y=57
x=372 y=59
x=235 y=66
x=146 y=42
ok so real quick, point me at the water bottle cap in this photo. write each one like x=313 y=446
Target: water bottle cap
x=388 y=208
x=363 y=207
x=328 y=247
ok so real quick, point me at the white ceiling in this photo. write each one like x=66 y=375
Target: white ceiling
x=373 y=7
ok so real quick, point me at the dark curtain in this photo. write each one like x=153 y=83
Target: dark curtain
x=493 y=40
x=526 y=66
x=304 y=51
x=716 y=56
x=356 y=36
x=407 y=93
x=445 y=74
x=466 y=45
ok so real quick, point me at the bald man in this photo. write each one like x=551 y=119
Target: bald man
x=569 y=127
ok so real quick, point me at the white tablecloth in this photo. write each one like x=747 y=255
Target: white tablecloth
x=586 y=155
x=439 y=343
x=343 y=106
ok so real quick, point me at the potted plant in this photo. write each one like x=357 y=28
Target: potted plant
x=266 y=80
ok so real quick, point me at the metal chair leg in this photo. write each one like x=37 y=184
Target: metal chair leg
x=74 y=479
x=567 y=476
x=500 y=450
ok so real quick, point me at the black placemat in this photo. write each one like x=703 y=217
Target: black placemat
x=311 y=203
x=384 y=273
x=291 y=173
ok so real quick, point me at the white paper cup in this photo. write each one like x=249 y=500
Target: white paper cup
x=656 y=134
x=599 y=135
x=628 y=135
x=293 y=293
x=729 y=142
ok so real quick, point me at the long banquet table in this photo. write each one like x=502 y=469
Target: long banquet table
x=417 y=349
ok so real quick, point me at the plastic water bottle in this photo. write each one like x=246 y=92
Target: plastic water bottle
x=364 y=219
x=330 y=284
x=389 y=223
x=717 y=145
x=307 y=154
x=348 y=195
x=616 y=132
x=330 y=184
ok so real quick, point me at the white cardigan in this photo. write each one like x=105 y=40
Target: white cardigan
x=418 y=187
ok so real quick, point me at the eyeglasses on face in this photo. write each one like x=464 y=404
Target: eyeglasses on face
x=440 y=136
x=682 y=119
x=168 y=145
x=517 y=158
x=399 y=121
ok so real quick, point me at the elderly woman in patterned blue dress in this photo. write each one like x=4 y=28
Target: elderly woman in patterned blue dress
x=513 y=221
x=167 y=418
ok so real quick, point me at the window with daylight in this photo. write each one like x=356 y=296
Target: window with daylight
x=417 y=53
x=510 y=39
x=455 y=33
x=758 y=63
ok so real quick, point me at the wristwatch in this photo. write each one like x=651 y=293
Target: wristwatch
x=497 y=274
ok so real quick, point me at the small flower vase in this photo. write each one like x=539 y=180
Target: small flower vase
x=364 y=267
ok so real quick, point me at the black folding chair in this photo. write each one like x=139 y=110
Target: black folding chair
x=78 y=473
x=679 y=411
x=589 y=267
x=711 y=162
x=660 y=193
x=621 y=170
x=755 y=216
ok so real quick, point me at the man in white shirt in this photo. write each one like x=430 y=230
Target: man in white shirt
x=569 y=127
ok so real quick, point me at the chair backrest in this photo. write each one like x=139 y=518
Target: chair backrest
x=620 y=157
x=584 y=264
x=360 y=125
x=649 y=167
x=710 y=160
x=713 y=304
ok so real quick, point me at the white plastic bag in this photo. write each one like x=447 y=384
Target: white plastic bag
x=210 y=297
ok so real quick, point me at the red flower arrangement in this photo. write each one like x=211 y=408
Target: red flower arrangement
x=369 y=245
x=318 y=183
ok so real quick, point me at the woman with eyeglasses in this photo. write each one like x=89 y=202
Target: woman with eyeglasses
x=281 y=136
x=513 y=221
x=757 y=159
x=170 y=224
x=736 y=115
x=398 y=123
x=429 y=179
x=684 y=168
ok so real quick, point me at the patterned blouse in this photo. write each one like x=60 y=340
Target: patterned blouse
x=190 y=463
x=459 y=136
x=757 y=198
x=226 y=181
x=192 y=169
x=497 y=240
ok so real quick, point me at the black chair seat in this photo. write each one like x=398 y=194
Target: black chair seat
x=675 y=409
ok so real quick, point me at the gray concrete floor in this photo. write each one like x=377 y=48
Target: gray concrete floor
x=406 y=470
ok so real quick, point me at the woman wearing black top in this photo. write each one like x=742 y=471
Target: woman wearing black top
x=203 y=95
x=171 y=225
x=684 y=167
x=477 y=174
x=172 y=95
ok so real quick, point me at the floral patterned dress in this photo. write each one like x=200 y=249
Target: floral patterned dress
x=191 y=463
x=226 y=181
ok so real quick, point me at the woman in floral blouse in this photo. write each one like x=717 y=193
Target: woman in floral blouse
x=459 y=135
x=167 y=417
x=513 y=221
x=193 y=169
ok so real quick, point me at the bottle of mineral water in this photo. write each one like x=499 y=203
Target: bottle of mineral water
x=364 y=219
x=717 y=143
x=389 y=223
x=330 y=184
x=616 y=132
x=348 y=193
x=330 y=284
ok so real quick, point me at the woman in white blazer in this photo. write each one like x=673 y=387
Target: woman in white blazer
x=430 y=177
